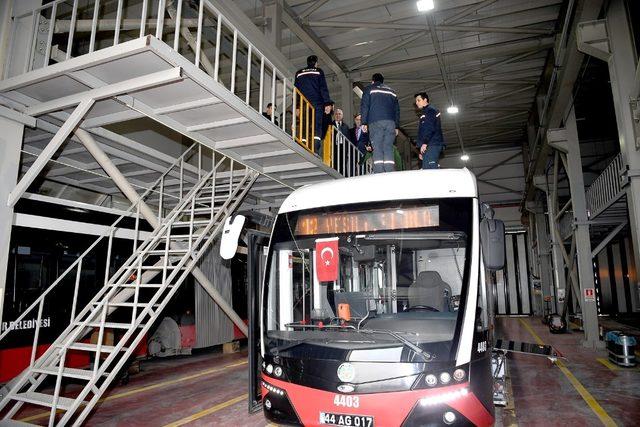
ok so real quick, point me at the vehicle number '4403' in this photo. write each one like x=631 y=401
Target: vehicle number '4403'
x=346 y=401
x=482 y=347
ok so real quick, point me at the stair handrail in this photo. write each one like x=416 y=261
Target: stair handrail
x=606 y=188
x=39 y=302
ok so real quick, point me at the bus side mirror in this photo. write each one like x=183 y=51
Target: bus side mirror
x=492 y=241
x=230 y=236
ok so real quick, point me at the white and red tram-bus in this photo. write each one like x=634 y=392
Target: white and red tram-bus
x=375 y=310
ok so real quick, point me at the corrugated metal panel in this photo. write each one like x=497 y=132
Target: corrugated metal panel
x=523 y=274
x=213 y=327
x=512 y=284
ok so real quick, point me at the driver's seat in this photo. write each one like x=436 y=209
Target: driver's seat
x=430 y=290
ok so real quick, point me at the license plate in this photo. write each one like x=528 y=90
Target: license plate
x=345 y=420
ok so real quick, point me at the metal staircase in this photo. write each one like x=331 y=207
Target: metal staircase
x=139 y=289
x=186 y=67
x=607 y=204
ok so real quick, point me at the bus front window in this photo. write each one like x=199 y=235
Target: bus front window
x=338 y=275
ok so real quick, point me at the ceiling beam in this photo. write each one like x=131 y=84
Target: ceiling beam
x=468 y=11
x=458 y=56
x=315 y=6
x=393 y=46
x=460 y=28
x=504 y=95
x=308 y=37
x=464 y=82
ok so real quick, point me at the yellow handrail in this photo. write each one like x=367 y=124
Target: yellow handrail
x=327 y=147
x=305 y=114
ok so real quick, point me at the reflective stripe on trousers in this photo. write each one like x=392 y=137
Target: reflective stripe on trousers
x=383 y=134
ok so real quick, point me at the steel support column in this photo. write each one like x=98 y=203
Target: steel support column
x=622 y=70
x=557 y=262
x=544 y=259
x=541 y=257
x=273 y=29
x=131 y=194
x=611 y=40
x=11 y=134
x=566 y=140
x=346 y=98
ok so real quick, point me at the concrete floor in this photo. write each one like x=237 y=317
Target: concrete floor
x=585 y=389
x=210 y=389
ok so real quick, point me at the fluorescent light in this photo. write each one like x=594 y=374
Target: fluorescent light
x=425 y=5
x=464 y=157
x=452 y=110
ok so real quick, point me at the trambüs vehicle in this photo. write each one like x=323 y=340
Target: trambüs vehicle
x=375 y=310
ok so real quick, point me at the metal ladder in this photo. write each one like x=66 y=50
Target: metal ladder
x=140 y=289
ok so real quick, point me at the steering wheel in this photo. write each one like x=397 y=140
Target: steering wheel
x=422 y=307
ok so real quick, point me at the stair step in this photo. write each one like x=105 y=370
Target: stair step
x=108 y=325
x=204 y=210
x=80 y=374
x=171 y=251
x=159 y=267
x=188 y=223
x=82 y=346
x=43 y=399
x=184 y=236
x=143 y=285
x=124 y=304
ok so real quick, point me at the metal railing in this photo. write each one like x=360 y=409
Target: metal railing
x=179 y=179
x=197 y=30
x=343 y=155
x=606 y=189
x=303 y=128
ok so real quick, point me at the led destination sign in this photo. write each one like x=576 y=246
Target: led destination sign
x=367 y=221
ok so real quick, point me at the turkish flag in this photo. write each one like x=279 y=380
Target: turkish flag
x=327 y=259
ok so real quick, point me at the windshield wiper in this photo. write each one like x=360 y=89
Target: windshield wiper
x=300 y=325
x=428 y=357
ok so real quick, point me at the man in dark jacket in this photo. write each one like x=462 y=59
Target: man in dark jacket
x=381 y=118
x=269 y=113
x=340 y=125
x=430 y=141
x=313 y=85
x=358 y=136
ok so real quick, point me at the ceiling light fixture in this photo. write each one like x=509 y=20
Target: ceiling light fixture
x=425 y=5
x=452 y=110
x=464 y=157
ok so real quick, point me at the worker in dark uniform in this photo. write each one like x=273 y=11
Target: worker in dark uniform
x=430 y=140
x=381 y=119
x=313 y=85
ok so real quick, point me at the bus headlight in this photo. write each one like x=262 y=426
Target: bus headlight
x=445 y=378
x=431 y=380
x=277 y=371
x=459 y=374
x=449 y=417
x=269 y=369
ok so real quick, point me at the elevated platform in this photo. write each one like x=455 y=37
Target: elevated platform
x=146 y=78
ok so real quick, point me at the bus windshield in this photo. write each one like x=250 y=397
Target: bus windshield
x=379 y=282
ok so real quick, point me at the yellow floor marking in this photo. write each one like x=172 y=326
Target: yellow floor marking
x=586 y=396
x=147 y=388
x=608 y=364
x=208 y=411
